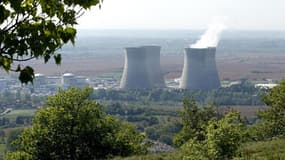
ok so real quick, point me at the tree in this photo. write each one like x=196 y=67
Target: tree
x=194 y=121
x=223 y=138
x=73 y=127
x=273 y=118
x=33 y=29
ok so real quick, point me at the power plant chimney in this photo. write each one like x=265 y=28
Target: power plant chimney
x=142 y=68
x=200 y=71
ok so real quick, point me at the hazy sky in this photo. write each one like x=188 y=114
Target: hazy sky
x=185 y=14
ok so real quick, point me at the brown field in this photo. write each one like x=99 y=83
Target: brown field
x=233 y=67
x=245 y=111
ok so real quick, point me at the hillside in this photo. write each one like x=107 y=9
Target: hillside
x=269 y=150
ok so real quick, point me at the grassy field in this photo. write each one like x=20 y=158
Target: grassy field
x=163 y=156
x=270 y=150
x=20 y=112
x=12 y=117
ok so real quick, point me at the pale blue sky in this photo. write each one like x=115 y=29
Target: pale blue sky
x=185 y=14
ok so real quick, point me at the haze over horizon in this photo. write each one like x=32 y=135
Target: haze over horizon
x=185 y=14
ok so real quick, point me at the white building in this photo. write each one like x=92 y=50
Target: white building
x=68 y=80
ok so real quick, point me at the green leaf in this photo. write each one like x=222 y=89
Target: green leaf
x=71 y=32
x=4 y=14
x=27 y=75
x=18 y=68
x=16 y=5
x=57 y=59
x=46 y=58
x=45 y=26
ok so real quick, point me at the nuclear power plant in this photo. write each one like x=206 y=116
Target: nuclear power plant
x=200 y=71
x=142 y=68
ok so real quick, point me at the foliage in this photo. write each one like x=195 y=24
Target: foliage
x=33 y=29
x=193 y=150
x=244 y=94
x=270 y=150
x=272 y=119
x=163 y=132
x=9 y=99
x=156 y=121
x=235 y=95
x=18 y=155
x=264 y=150
x=74 y=127
x=194 y=121
x=225 y=136
x=223 y=139
x=177 y=155
x=12 y=136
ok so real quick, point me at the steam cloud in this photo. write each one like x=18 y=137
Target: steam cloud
x=211 y=37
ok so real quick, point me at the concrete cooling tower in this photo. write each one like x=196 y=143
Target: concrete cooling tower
x=142 y=68
x=153 y=66
x=135 y=74
x=200 y=71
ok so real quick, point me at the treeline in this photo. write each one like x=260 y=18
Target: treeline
x=242 y=94
x=18 y=100
x=157 y=123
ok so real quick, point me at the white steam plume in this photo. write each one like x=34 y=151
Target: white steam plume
x=211 y=37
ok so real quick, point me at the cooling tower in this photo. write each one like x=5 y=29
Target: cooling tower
x=135 y=74
x=200 y=71
x=153 y=66
x=142 y=68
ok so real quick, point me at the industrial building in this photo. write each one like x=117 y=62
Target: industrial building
x=200 y=71
x=70 y=80
x=40 y=80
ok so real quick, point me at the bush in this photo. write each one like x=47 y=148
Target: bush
x=272 y=120
x=223 y=139
x=194 y=121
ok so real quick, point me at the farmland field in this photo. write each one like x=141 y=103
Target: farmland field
x=20 y=112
